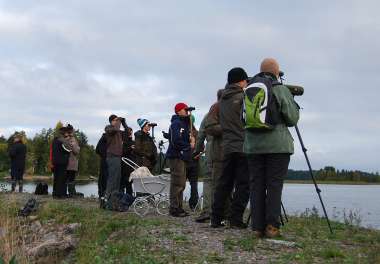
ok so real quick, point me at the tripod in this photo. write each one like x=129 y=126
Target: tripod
x=304 y=150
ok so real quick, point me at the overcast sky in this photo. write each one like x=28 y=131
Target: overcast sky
x=80 y=61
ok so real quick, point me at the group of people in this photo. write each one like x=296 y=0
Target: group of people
x=243 y=162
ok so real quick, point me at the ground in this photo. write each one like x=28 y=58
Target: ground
x=111 y=237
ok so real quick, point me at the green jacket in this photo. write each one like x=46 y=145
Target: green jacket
x=278 y=140
x=199 y=147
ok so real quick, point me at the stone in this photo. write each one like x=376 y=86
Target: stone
x=282 y=243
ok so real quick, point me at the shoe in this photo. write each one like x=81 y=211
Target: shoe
x=258 y=234
x=216 y=224
x=202 y=218
x=183 y=212
x=272 y=232
x=238 y=225
x=177 y=214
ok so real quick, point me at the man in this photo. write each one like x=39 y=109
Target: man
x=72 y=166
x=17 y=153
x=101 y=150
x=145 y=149
x=192 y=168
x=235 y=168
x=61 y=149
x=179 y=152
x=114 y=138
x=269 y=155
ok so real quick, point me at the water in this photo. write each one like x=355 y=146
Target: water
x=361 y=199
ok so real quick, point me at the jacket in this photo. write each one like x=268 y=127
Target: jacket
x=17 y=153
x=74 y=155
x=114 y=138
x=60 y=151
x=278 y=140
x=214 y=129
x=179 y=139
x=145 y=150
x=202 y=136
x=230 y=119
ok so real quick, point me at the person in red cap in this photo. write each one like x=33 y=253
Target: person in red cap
x=178 y=154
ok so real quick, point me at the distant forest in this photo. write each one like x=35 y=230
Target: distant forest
x=38 y=160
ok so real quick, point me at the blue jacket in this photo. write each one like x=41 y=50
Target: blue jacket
x=179 y=139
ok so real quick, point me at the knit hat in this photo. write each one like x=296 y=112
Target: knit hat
x=178 y=107
x=236 y=75
x=142 y=122
x=112 y=117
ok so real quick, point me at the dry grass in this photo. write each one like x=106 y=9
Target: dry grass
x=12 y=240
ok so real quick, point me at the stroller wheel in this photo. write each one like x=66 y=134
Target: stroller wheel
x=141 y=206
x=162 y=207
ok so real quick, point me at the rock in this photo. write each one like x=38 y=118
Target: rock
x=3 y=232
x=282 y=243
x=71 y=228
x=35 y=226
x=52 y=247
x=32 y=218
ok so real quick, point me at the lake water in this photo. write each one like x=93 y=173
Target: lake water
x=361 y=199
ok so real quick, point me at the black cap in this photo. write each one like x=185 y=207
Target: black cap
x=112 y=117
x=236 y=75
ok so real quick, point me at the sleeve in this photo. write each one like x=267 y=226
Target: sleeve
x=201 y=136
x=75 y=147
x=101 y=147
x=176 y=138
x=213 y=127
x=111 y=130
x=289 y=109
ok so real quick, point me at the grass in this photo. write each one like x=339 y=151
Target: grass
x=107 y=237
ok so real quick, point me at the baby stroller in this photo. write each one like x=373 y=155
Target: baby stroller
x=155 y=190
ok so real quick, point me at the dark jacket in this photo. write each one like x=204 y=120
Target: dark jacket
x=60 y=153
x=230 y=119
x=145 y=150
x=114 y=141
x=17 y=153
x=179 y=139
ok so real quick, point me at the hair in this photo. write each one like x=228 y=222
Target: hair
x=270 y=65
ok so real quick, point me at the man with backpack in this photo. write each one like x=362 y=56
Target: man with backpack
x=235 y=174
x=269 y=110
x=178 y=154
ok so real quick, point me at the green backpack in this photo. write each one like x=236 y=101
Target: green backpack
x=259 y=105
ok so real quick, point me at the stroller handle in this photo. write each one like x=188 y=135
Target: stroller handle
x=130 y=163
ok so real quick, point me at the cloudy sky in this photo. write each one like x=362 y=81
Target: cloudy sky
x=79 y=61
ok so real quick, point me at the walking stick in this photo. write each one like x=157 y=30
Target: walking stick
x=313 y=178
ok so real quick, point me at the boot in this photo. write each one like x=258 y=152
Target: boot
x=13 y=186
x=20 y=186
x=71 y=189
x=272 y=232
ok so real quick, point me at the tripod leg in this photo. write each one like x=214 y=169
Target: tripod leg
x=313 y=178
x=282 y=220
x=285 y=215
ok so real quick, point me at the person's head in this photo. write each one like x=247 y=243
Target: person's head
x=237 y=76
x=64 y=132
x=114 y=120
x=144 y=125
x=17 y=138
x=181 y=109
x=270 y=65
x=70 y=130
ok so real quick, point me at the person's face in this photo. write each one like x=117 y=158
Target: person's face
x=243 y=84
x=115 y=121
x=16 y=139
x=146 y=128
x=66 y=135
x=183 y=112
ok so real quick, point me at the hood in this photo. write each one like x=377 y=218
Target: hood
x=230 y=91
x=180 y=118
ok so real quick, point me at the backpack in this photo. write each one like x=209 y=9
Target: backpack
x=41 y=189
x=260 y=111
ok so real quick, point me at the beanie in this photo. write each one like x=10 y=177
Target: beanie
x=112 y=117
x=178 y=107
x=236 y=75
x=142 y=122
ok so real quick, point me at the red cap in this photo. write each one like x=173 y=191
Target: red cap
x=178 y=107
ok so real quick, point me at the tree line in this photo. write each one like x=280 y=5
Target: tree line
x=38 y=153
x=329 y=173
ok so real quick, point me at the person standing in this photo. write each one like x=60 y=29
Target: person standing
x=72 y=166
x=178 y=153
x=145 y=149
x=128 y=152
x=269 y=153
x=235 y=174
x=17 y=154
x=114 y=137
x=61 y=149
x=192 y=168
x=101 y=150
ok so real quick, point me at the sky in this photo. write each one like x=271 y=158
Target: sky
x=80 y=61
